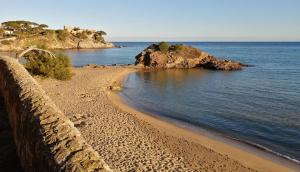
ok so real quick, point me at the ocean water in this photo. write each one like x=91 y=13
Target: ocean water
x=259 y=105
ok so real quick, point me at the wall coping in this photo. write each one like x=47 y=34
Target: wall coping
x=45 y=138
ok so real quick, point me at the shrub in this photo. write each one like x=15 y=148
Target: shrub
x=46 y=66
x=41 y=45
x=98 y=37
x=178 y=47
x=6 y=42
x=81 y=36
x=1 y=32
x=76 y=29
x=88 y=32
x=62 y=34
x=50 y=32
x=164 y=47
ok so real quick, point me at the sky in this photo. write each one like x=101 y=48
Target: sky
x=169 y=20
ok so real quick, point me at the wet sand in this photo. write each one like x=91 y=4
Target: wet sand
x=130 y=140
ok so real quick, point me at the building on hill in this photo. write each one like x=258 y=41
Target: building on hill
x=8 y=31
x=68 y=28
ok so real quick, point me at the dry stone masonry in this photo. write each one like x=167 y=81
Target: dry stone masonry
x=45 y=138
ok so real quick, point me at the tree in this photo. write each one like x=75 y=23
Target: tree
x=101 y=32
x=44 y=26
x=76 y=28
x=98 y=37
x=19 y=24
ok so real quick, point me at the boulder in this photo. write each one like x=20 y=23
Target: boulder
x=182 y=57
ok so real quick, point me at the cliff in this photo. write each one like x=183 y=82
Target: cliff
x=168 y=56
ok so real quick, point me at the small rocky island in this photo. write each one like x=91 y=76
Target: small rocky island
x=19 y=35
x=166 y=56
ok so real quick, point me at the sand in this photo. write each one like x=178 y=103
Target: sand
x=129 y=140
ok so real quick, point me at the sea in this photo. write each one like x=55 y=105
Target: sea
x=259 y=105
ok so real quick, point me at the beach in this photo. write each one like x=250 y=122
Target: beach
x=130 y=140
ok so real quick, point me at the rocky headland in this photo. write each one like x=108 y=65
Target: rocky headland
x=19 y=35
x=166 y=56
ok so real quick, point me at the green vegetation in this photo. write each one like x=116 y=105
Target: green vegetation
x=76 y=29
x=164 y=47
x=19 y=23
x=41 y=45
x=24 y=28
x=1 y=33
x=178 y=47
x=49 y=32
x=88 y=32
x=46 y=66
x=101 y=33
x=62 y=34
x=28 y=33
x=98 y=37
x=81 y=35
x=44 y=26
x=6 y=42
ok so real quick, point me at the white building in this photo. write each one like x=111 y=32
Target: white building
x=8 y=32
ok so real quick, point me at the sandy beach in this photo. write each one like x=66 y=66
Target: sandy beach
x=130 y=140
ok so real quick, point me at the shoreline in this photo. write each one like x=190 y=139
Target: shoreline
x=209 y=132
x=248 y=154
x=60 y=49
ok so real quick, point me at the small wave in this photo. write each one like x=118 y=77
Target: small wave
x=263 y=148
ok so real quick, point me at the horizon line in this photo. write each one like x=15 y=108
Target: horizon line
x=197 y=39
x=220 y=41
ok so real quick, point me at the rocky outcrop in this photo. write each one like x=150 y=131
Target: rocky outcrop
x=182 y=57
x=85 y=44
x=46 y=140
x=19 y=35
x=52 y=42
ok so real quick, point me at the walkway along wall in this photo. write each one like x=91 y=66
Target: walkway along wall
x=46 y=139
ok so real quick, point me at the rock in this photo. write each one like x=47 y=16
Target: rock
x=89 y=43
x=93 y=66
x=90 y=66
x=114 y=88
x=182 y=57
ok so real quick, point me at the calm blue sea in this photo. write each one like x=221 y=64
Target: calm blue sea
x=259 y=105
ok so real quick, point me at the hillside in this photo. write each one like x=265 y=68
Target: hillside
x=19 y=35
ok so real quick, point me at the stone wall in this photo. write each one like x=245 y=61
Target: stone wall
x=45 y=138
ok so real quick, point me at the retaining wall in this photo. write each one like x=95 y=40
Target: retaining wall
x=45 y=138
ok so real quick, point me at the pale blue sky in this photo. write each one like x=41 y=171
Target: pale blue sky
x=188 y=20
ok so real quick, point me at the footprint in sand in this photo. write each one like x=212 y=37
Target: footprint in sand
x=79 y=120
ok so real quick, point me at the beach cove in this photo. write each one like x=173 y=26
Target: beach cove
x=130 y=140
